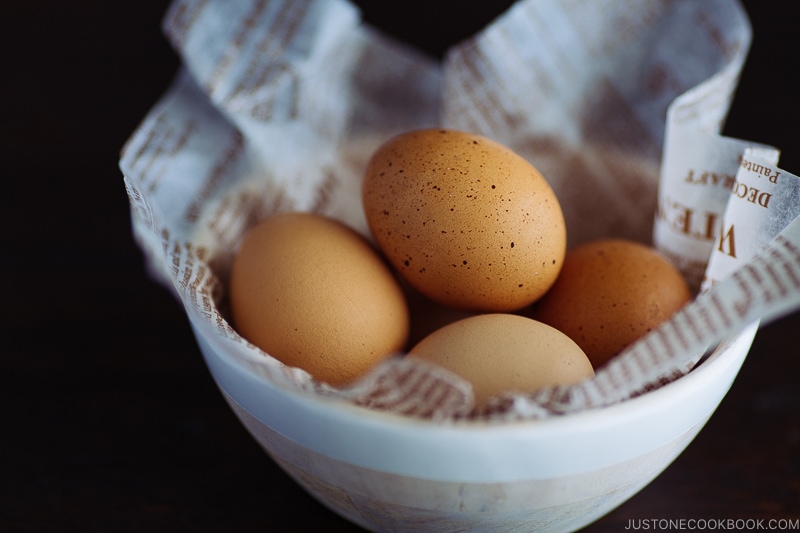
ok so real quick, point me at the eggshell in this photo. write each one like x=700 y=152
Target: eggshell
x=314 y=294
x=502 y=353
x=468 y=222
x=610 y=293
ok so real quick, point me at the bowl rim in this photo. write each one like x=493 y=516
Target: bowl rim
x=498 y=451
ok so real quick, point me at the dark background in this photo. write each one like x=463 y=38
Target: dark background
x=110 y=420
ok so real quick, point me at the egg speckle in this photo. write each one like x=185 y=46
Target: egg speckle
x=468 y=222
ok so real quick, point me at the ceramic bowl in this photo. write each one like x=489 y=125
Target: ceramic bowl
x=386 y=472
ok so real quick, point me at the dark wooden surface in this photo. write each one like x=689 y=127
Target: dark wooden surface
x=111 y=422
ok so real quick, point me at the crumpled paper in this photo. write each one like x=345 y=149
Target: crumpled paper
x=278 y=105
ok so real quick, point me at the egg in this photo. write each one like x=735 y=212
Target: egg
x=467 y=221
x=316 y=295
x=500 y=353
x=610 y=293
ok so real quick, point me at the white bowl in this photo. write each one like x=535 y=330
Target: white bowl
x=390 y=473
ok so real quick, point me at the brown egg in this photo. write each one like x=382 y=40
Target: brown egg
x=502 y=353
x=609 y=294
x=314 y=294
x=468 y=222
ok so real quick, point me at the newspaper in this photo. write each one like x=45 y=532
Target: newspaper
x=278 y=105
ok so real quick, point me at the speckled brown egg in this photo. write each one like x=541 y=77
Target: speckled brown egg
x=500 y=353
x=467 y=221
x=610 y=293
x=314 y=294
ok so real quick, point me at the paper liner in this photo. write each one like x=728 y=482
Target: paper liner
x=279 y=104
